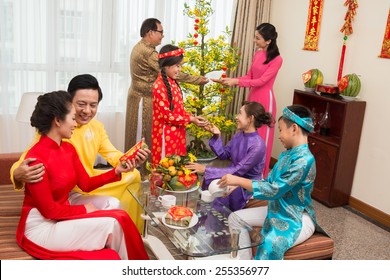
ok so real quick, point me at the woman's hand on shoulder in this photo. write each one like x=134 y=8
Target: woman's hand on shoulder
x=27 y=173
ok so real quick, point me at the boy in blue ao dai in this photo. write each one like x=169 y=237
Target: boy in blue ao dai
x=289 y=218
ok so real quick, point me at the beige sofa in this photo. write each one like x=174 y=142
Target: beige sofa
x=10 y=208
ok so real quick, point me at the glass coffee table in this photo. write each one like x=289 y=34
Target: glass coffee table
x=213 y=231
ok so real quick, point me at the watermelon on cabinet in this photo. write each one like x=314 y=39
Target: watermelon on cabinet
x=312 y=78
x=349 y=85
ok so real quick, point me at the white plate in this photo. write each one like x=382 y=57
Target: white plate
x=193 y=222
x=310 y=89
x=215 y=74
x=349 y=98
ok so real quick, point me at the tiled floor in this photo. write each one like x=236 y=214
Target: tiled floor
x=356 y=238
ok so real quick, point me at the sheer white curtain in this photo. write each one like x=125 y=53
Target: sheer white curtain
x=44 y=43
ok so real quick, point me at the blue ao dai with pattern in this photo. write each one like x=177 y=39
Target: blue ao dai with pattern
x=288 y=191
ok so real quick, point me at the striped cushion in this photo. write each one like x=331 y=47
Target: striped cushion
x=9 y=249
x=11 y=201
x=317 y=247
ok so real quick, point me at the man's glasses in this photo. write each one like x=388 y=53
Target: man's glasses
x=160 y=31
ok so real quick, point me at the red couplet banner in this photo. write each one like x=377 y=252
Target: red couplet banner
x=313 y=25
x=385 y=52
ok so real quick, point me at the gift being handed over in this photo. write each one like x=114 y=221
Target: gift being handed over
x=131 y=154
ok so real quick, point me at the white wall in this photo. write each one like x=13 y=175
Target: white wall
x=371 y=183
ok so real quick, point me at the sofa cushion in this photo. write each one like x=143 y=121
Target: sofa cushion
x=10 y=209
x=256 y=203
x=9 y=249
x=318 y=247
x=6 y=161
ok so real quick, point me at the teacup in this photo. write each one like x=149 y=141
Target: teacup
x=206 y=196
x=167 y=201
x=215 y=190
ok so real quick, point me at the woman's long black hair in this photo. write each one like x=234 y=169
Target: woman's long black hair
x=268 y=32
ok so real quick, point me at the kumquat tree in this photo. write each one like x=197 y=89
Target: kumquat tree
x=204 y=55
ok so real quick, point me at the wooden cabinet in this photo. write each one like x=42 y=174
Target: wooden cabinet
x=336 y=153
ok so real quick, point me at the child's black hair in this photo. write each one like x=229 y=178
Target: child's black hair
x=169 y=61
x=301 y=111
x=261 y=117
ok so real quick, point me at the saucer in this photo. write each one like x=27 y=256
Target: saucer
x=349 y=98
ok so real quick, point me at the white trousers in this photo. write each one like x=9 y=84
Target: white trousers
x=256 y=217
x=102 y=202
x=79 y=234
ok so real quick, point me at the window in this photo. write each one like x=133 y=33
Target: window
x=44 y=43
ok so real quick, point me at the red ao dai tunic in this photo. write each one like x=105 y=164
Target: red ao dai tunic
x=169 y=127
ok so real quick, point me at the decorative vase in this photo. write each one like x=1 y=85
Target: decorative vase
x=325 y=122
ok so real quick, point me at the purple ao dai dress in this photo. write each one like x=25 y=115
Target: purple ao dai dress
x=246 y=151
